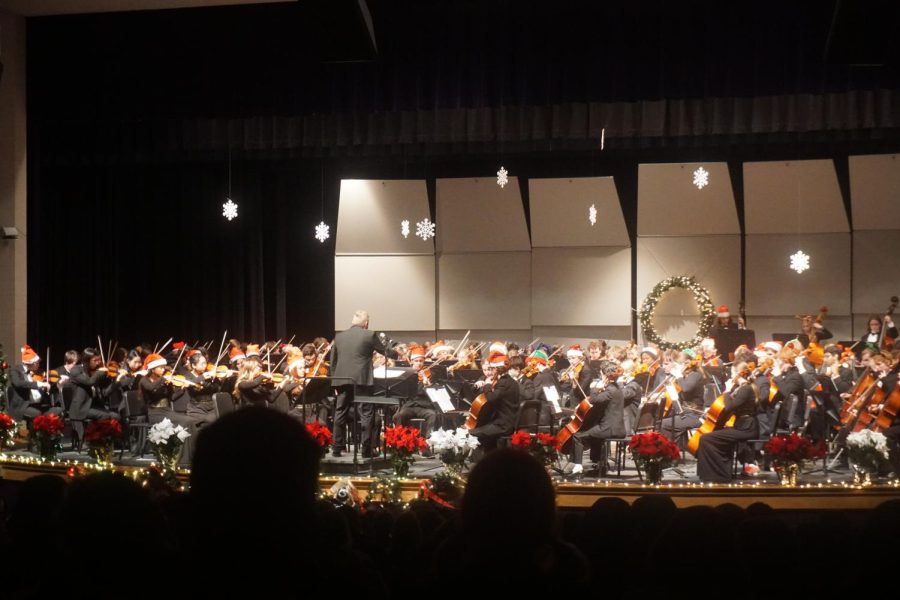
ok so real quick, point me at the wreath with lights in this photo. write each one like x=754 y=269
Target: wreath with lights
x=701 y=297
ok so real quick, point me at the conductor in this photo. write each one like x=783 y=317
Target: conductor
x=351 y=357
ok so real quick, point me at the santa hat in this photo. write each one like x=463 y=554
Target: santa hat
x=649 y=350
x=538 y=356
x=152 y=361
x=416 y=352
x=252 y=349
x=440 y=346
x=498 y=347
x=772 y=346
x=29 y=356
x=498 y=359
x=177 y=346
x=722 y=312
x=795 y=344
x=192 y=352
x=708 y=343
x=574 y=352
x=235 y=354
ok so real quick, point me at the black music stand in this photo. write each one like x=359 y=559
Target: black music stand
x=314 y=392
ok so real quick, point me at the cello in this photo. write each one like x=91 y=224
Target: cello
x=888 y=411
x=712 y=414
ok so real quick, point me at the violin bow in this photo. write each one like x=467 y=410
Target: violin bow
x=100 y=348
x=221 y=346
x=160 y=351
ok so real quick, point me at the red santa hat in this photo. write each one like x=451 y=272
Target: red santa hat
x=498 y=359
x=154 y=360
x=416 y=352
x=498 y=347
x=722 y=312
x=252 y=349
x=575 y=351
x=772 y=346
x=648 y=350
x=177 y=346
x=235 y=354
x=29 y=356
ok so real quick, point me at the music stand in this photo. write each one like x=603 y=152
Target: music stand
x=314 y=391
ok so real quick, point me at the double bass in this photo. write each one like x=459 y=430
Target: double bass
x=886 y=342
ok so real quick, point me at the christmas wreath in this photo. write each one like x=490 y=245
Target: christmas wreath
x=701 y=296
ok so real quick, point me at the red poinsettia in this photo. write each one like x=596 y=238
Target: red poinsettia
x=404 y=439
x=320 y=433
x=48 y=424
x=6 y=421
x=653 y=447
x=543 y=446
x=521 y=439
x=102 y=431
x=793 y=448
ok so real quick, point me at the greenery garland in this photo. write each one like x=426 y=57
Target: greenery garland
x=701 y=296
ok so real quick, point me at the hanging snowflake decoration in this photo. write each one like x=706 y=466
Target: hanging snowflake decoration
x=701 y=178
x=592 y=215
x=229 y=210
x=404 y=228
x=502 y=177
x=425 y=229
x=799 y=261
x=322 y=232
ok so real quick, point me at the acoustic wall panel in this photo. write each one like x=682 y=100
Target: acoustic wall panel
x=793 y=197
x=669 y=204
x=560 y=209
x=581 y=286
x=484 y=291
x=774 y=289
x=714 y=260
x=477 y=215
x=398 y=291
x=875 y=274
x=370 y=213
x=875 y=192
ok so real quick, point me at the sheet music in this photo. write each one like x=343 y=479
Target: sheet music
x=552 y=397
x=441 y=397
x=379 y=373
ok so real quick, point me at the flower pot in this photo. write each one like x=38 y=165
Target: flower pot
x=788 y=474
x=653 y=473
x=48 y=447
x=168 y=457
x=102 y=453
x=862 y=474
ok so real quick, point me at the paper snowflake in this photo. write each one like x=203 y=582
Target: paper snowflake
x=502 y=177
x=799 y=261
x=425 y=229
x=322 y=232
x=592 y=215
x=701 y=178
x=229 y=210
x=404 y=228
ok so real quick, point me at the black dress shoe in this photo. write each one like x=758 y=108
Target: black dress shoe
x=336 y=452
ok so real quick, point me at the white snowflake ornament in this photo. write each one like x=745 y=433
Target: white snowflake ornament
x=322 y=232
x=799 y=261
x=229 y=210
x=701 y=178
x=404 y=228
x=425 y=229
x=592 y=215
x=502 y=177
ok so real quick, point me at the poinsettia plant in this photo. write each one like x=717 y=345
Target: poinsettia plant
x=401 y=443
x=793 y=448
x=8 y=427
x=453 y=447
x=543 y=446
x=320 y=433
x=653 y=452
x=100 y=435
x=48 y=432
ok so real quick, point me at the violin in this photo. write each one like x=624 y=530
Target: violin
x=273 y=378
x=51 y=377
x=425 y=375
x=715 y=409
x=112 y=369
x=180 y=381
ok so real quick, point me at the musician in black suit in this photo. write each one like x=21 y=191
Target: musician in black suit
x=351 y=357
x=419 y=406
x=498 y=416
x=789 y=382
x=605 y=420
x=690 y=379
x=872 y=337
x=28 y=398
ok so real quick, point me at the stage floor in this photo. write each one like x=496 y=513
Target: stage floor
x=816 y=491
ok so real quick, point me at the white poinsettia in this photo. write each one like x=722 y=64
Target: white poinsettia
x=868 y=440
x=162 y=432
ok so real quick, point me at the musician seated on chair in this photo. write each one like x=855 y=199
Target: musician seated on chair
x=604 y=420
x=419 y=406
x=686 y=377
x=498 y=415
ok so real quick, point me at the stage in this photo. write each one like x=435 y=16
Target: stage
x=814 y=492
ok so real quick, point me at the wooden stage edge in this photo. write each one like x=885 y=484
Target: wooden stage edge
x=813 y=496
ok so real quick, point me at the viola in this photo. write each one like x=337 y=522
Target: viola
x=715 y=410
